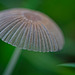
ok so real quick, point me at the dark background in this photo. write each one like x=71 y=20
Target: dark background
x=36 y=63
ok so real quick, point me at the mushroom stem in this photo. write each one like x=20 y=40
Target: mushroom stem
x=10 y=67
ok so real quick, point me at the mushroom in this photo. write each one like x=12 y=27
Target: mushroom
x=30 y=30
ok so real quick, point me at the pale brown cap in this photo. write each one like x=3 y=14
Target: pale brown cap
x=31 y=30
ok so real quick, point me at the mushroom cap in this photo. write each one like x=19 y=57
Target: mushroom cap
x=31 y=30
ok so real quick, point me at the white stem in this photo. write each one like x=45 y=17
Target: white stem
x=10 y=67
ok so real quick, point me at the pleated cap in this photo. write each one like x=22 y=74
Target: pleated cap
x=31 y=30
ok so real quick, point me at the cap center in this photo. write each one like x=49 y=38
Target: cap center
x=32 y=16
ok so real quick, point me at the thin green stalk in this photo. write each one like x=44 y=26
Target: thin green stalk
x=11 y=65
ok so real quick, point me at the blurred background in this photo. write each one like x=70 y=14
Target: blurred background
x=36 y=63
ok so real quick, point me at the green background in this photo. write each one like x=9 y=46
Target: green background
x=36 y=63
